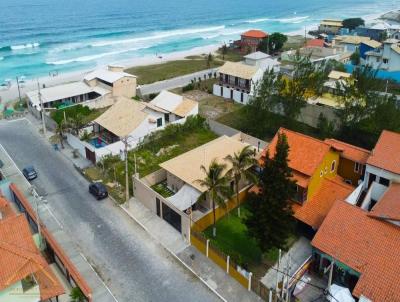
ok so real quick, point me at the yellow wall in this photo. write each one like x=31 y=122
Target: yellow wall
x=208 y=219
x=316 y=179
x=346 y=170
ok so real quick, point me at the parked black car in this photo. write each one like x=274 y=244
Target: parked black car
x=29 y=173
x=98 y=190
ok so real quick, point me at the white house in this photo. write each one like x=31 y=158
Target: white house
x=386 y=58
x=238 y=80
x=99 y=88
x=132 y=121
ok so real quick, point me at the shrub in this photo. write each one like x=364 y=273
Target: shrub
x=188 y=87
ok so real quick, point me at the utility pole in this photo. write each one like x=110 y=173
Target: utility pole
x=19 y=91
x=125 y=141
x=42 y=110
x=277 y=273
x=330 y=275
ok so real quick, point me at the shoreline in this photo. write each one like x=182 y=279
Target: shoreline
x=10 y=95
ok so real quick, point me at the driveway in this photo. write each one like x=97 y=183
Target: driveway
x=130 y=262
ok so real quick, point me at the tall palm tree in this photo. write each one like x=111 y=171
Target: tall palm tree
x=210 y=58
x=217 y=187
x=60 y=130
x=241 y=161
x=224 y=51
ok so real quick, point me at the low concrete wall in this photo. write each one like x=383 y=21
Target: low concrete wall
x=222 y=129
x=155 y=177
x=50 y=123
x=311 y=112
x=147 y=196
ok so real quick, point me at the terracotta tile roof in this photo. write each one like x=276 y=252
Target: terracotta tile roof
x=386 y=154
x=255 y=34
x=350 y=152
x=367 y=245
x=20 y=258
x=306 y=153
x=388 y=207
x=5 y=208
x=301 y=179
x=315 y=43
x=314 y=211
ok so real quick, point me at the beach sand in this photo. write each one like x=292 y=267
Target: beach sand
x=11 y=94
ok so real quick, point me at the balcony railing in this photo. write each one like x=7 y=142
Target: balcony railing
x=236 y=86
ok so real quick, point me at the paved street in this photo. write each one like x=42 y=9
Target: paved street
x=174 y=82
x=131 y=263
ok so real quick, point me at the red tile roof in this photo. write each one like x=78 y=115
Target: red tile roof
x=255 y=34
x=388 y=207
x=305 y=154
x=386 y=154
x=314 y=211
x=315 y=43
x=5 y=208
x=350 y=152
x=20 y=258
x=367 y=245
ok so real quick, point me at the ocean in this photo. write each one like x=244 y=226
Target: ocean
x=38 y=37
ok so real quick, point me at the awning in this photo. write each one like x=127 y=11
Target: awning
x=185 y=197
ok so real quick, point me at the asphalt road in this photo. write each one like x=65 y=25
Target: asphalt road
x=130 y=262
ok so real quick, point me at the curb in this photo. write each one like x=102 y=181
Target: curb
x=171 y=252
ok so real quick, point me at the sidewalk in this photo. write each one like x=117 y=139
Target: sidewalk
x=208 y=271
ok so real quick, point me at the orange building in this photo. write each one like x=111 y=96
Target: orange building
x=23 y=269
x=317 y=169
x=250 y=40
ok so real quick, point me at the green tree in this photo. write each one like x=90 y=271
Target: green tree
x=273 y=43
x=210 y=59
x=352 y=23
x=355 y=58
x=76 y=295
x=271 y=220
x=325 y=127
x=216 y=186
x=267 y=93
x=241 y=162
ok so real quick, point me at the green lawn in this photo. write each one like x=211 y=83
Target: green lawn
x=233 y=240
x=158 y=72
x=164 y=145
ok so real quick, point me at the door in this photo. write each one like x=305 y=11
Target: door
x=172 y=217
x=90 y=155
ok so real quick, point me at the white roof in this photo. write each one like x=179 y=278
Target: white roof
x=258 y=55
x=339 y=293
x=185 y=197
x=64 y=91
x=174 y=103
x=167 y=100
x=238 y=69
x=107 y=75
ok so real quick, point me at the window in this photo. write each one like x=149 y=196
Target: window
x=321 y=173
x=385 y=61
x=232 y=94
x=166 y=117
x=384 y=181
x=222 y=91
x=159 y=122
x=241 y=97
x=356 y=167
x=333 y=166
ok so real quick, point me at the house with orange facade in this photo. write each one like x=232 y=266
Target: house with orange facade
x=25 y=275
x=322 y=173
x=360 y=237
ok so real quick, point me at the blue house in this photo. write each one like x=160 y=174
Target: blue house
x=369 y=45
x=373 y=33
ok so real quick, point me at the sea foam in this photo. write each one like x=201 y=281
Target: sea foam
x=24 y=46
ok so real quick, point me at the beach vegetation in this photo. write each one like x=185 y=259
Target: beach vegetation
x=159 y=72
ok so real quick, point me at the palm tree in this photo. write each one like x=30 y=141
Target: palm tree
x=60 y=130
x=224 y=51
x=240 y=162
x=217 y=187
x=210 y=58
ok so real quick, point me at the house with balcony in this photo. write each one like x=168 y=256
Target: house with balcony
x=330 y=26
x=238 y=80
x=320 y=169
x=131 y=120
x=386 y=57
x=350 y=43
x=97 y=89
x=24 y=273
x=360 y=235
